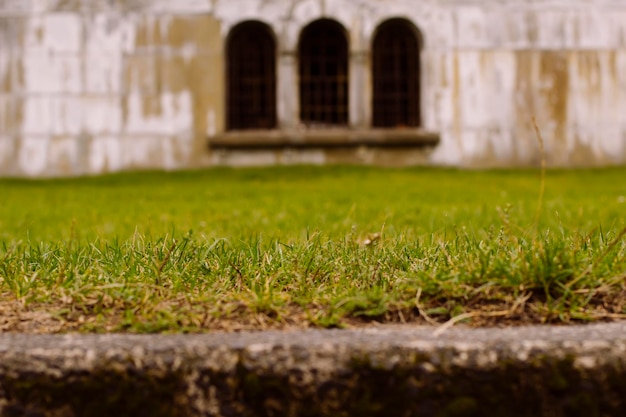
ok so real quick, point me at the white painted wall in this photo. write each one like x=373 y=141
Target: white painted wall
x=80 y=92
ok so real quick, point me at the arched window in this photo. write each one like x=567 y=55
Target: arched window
x=323 y=55
x=396 y=74
x=251 y=74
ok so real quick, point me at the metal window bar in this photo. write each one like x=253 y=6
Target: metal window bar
x=396 y=75
x=323 y=69
x=251 y=73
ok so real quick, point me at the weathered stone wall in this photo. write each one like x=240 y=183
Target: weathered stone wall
x=96 y=86
x=91 y=86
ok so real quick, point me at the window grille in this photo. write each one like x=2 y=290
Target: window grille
x=251 y=74
x=323 y=56
x=396 y=75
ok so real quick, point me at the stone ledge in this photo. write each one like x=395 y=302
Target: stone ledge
x=380 y=371
x=324 y=139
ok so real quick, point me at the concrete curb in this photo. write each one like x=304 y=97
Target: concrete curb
x=380 y=371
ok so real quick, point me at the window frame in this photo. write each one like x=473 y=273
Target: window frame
x=251 y=92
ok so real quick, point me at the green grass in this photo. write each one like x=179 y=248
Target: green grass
x=267 y=247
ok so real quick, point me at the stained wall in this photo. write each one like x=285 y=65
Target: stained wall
x=93 y=86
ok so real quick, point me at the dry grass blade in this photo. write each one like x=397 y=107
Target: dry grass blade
x=542 y=182
x=520 y=302
x=421 y=311
x=447 y=325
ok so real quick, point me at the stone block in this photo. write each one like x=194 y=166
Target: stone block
x=32 y=155
x=55 y=32
x=104 y=154
x=141 y=74
x=109 y=32
x=22 y=7
x=66 y=115
x=165 y=114
x=174 y=7
x=64 y=157
x=37 y=116
x=10 y=114
x=11 y=76
x=102 y=72
x=102 y=115
x=48 y=73
x=8 y=152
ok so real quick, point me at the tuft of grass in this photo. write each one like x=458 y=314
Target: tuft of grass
x=311 y=246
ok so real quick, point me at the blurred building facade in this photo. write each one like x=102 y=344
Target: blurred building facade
x=94 y=86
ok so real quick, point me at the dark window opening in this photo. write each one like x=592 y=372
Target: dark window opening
x=323 y=56
x=396 y=75
x=251 y=74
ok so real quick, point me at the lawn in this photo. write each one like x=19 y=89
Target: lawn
x=311 y=246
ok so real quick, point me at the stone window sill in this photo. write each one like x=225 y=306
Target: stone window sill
x=326 y=138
